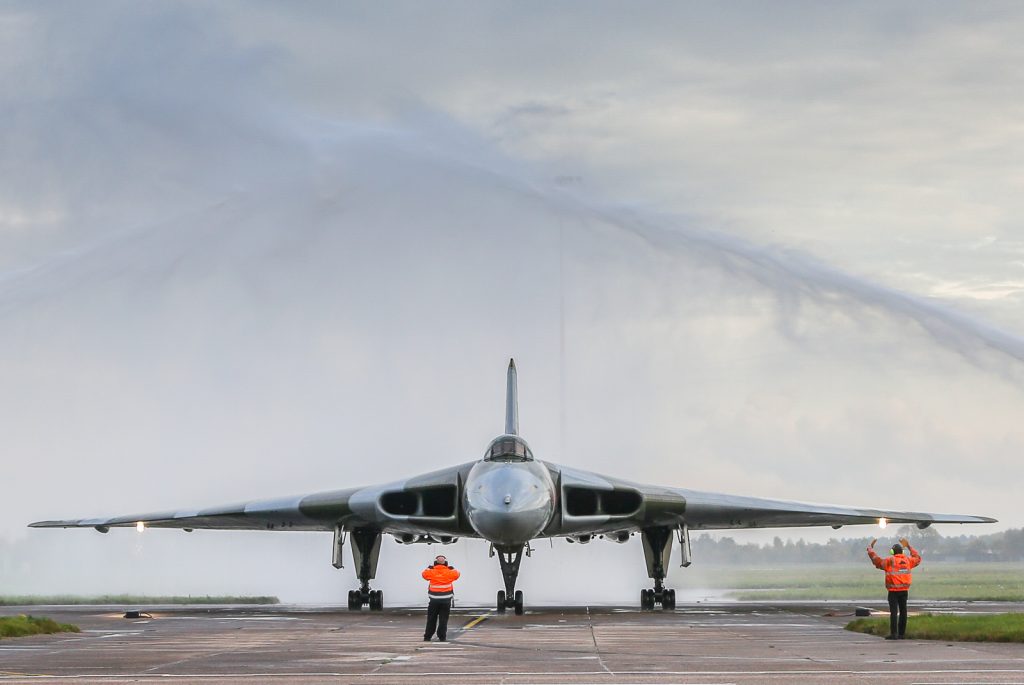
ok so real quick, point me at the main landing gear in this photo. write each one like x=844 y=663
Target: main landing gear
x=510 y=557
x=365 y=553
x=657 y=552
x=664 y=596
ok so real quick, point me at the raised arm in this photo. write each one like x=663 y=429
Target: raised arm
x=875 y=559
x=915 y=558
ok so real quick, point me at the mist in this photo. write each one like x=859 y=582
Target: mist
x=231 y=268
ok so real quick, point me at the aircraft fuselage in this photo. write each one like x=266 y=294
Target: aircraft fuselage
x=509 y=502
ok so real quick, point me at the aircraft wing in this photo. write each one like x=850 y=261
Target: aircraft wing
x=312 y=512
x=422 y=505
x=593 y=504
x=708 y=510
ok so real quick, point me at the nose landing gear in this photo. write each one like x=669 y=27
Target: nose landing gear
x=510 y=598
x=516 y=603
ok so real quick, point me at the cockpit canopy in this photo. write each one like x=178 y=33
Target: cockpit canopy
x=508 y=448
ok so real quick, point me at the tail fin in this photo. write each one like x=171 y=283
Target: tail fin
x=511 y=401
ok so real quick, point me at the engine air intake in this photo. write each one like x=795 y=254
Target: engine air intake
x=583 y=501
x=433 y=502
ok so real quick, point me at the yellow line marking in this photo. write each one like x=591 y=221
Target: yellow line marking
x=23 y=675
x=478 y=619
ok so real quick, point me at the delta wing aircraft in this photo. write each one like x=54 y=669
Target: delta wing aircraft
x=510 y=498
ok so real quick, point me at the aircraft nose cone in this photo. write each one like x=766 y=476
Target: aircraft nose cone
x=508 y=503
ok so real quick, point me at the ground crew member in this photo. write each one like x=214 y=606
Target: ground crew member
x=897 y=581
x=440 y=576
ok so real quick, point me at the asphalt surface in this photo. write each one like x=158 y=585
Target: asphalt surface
x=700 y=643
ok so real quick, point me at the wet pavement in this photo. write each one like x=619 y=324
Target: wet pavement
x=702 y=643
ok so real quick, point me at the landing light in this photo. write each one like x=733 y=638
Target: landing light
x=882 y=522
x=140 y=526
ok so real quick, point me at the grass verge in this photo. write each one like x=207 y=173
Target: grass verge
x=985 y=628
x=31 y=600
x=989 y=582
x=20 y=626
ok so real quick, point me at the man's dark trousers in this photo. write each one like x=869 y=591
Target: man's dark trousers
x=437 y=618
x=898 y=604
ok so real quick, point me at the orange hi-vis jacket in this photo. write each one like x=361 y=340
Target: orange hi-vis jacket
x=441 y=578
x=897 y=568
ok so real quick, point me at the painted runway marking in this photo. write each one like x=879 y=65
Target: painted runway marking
x=476 y=621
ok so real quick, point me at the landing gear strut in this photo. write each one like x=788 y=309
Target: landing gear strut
x=510 y=598
x=657 y=551
x=365 y=553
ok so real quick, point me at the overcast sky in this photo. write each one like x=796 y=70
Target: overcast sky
x=250 y=250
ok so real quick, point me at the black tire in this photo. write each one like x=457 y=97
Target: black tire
x=376 y=600
x=355 y=600
x=501 y=601
x=667 y=600
x=519 y=602
x=643 y=599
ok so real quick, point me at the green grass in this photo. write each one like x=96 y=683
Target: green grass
x=30 y=600
x=971 y=582
x=987 y=628
x=20 y=626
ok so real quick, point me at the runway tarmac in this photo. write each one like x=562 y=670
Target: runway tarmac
x=699 y=643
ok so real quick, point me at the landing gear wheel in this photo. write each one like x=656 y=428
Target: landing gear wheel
x=355 y=601
x=376 y=600
x=501 y=601
x=519 y=603
x=647 y=599
x=668 y=600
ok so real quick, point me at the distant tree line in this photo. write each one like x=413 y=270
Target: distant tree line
x=1005 y=546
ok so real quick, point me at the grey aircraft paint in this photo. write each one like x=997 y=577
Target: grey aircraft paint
x=509 y=498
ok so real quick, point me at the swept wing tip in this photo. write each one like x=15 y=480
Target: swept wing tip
x=56 y=524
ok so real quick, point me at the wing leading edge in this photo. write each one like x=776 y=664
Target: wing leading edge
x=425 y=504
x=656 y=505
x=711 y=511
x=321 y=511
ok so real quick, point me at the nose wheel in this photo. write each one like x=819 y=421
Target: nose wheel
x=515 y=602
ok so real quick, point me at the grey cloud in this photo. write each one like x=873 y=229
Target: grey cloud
x=289 y=248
